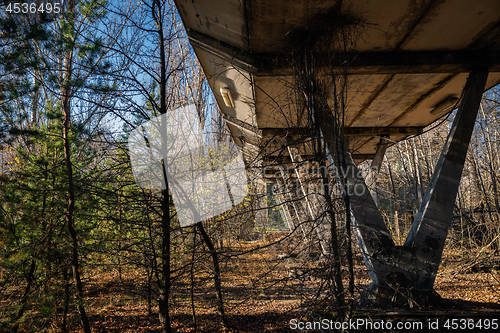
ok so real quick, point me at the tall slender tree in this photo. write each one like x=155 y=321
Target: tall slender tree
x=55 y=56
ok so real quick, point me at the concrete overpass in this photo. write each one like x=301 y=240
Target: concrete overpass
x=406 y=66
x=412 y=57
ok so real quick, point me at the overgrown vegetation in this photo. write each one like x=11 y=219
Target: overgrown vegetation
x=81 y=244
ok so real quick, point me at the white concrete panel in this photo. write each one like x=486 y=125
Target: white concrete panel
x=387 y=22
x=453 y=25
x=360 y=90
x=221 y=19
x=221 y=73
x=399 y=94
x=276 y=103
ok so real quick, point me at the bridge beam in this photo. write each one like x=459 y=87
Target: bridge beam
x=362 y=63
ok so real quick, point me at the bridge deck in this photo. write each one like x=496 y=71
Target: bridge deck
x=409 y=59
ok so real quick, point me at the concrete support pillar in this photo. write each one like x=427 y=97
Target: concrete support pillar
x=259 y=206
x=285 y=192
x=431 y=224
x=286 y=214
x=313 y=199
x=402 y=273
x=371 y=178
x=371 y=233
x=283 y=205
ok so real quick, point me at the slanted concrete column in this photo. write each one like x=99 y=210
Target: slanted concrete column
x=300 y=215
x=371 y=233
x=401 y=274
x=371 y=178
x=258 y=188
x=283 y=204
x=430 y=226
x=315 y=202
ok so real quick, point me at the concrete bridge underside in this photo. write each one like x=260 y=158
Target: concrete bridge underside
x=410 y=63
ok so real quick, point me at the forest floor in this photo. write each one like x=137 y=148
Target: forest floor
x=263 y=297
x=261 y=300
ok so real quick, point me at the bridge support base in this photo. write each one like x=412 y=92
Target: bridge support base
x=389 y=297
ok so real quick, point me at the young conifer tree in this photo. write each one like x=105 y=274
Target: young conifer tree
x=53 y=60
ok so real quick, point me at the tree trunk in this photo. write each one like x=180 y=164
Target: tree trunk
x=163 y=301
x=29 y=281
x=70 y=217
x=66 y=298
x=191 y=273
x=66 y=108
x=217 y=283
